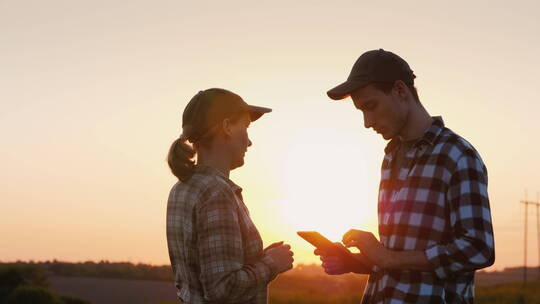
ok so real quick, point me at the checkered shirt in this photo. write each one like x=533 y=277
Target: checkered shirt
x=215 y=249
x=437 y=203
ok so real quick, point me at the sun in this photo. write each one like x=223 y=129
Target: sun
x=326 y=189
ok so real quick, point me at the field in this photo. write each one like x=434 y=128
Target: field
x=107 y=283
x=509 y=293
x=303 y=285
x=288 y=290
x=114 y=291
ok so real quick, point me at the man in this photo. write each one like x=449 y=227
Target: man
x=434 y=215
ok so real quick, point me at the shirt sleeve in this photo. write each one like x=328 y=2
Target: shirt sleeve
x=224 y=276
x=472 y=246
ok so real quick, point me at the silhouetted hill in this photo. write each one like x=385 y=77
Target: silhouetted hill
x=508 y=275
x=126 y=270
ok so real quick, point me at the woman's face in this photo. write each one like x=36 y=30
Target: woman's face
x=239 y=140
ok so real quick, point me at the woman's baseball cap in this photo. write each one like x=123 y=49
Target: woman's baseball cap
x=209 y=107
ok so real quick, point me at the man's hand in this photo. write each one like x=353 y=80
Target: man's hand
x=332 y=264
x=369 y=246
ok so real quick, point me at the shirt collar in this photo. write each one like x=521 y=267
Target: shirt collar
x=427 y=138
x=207 y=170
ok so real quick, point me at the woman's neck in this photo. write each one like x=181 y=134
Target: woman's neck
x=214 y=160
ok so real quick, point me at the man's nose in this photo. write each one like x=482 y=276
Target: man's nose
x=249 y=143
x=368 y=121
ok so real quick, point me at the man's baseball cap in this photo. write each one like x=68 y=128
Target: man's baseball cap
x=209 y=107
x=374 y=66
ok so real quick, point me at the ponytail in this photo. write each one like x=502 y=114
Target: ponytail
x=180 y=157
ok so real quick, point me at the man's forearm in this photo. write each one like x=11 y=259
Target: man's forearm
x=363 y=266
x=407 y=260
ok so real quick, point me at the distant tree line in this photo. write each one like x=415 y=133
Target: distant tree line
x=27 y=284
x=104 y=269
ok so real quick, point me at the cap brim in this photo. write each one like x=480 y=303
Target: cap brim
x=345 y=89
x=256 y=112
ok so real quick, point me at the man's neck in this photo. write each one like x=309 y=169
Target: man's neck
x=418 y=122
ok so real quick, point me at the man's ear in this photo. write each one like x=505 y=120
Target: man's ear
x=401 y=89
x=226 y=127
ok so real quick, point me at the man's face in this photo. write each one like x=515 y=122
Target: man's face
x=239 y=141
x=384 y=113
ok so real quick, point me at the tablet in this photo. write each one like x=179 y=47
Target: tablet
x=320 y=242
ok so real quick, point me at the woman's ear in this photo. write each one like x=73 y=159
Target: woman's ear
x=226 y=127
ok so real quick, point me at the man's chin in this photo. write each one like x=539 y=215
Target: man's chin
x=388 y=135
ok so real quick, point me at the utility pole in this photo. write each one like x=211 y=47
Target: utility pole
x=538 y=232
x=525 y=242
x=537 y=204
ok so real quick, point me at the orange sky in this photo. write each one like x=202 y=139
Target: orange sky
x=92 y=93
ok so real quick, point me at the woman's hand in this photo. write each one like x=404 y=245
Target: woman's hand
x=276 y=244
x=282 y=256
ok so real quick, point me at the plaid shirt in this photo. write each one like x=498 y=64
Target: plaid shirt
x=437 y=203
x=215 y=249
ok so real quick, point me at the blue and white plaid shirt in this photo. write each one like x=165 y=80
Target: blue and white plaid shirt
x=437 y=203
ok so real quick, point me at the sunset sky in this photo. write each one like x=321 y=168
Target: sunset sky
x=92 y=94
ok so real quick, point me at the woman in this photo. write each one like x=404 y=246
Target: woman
x=215 y=249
